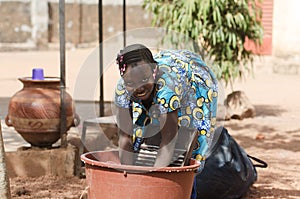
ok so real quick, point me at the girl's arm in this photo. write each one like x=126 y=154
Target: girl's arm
x=169 y=132
x=125 y=136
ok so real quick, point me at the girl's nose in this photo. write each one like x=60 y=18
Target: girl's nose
x=140 y=89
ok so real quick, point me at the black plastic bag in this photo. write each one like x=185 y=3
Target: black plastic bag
x=228 y=171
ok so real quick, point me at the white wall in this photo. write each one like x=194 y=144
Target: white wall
x=286 y=28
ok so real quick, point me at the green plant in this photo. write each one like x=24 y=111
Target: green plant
x=219 y=29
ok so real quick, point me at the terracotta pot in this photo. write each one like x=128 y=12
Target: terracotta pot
x=108 y=179
x=34 y=111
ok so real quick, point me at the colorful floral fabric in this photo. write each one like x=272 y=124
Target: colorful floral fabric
x=185 y=84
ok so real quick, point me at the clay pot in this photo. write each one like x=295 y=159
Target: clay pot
x=107 y=178
x=34 y=111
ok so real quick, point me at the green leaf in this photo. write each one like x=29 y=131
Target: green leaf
x=214 y=38
x=233 y=37
x=218 y=16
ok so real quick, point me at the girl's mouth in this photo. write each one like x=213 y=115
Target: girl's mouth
x=141 y=94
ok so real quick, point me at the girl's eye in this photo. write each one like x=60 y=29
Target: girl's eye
x=145 y=79
x=129 y=84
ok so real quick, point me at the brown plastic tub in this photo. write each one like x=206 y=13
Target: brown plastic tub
x=108 y=179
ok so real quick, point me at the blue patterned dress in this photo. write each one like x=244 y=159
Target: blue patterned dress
x=185 y=84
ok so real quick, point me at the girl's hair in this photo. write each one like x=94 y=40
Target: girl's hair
x=132 y=54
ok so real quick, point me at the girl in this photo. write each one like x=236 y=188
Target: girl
x=171 y=93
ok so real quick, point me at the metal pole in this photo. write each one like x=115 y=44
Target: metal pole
x=124 y=23
x=4 y=179
x=63 y=117
x=101 y=102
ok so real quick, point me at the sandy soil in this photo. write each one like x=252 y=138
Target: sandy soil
x=272 y=135
x=48 y=187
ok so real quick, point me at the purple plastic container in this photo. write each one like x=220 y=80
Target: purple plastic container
x=37 y=74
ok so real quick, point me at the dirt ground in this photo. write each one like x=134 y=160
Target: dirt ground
x=273 y=135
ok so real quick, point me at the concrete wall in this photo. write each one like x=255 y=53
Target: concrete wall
x=35 y=24
x=23 y=23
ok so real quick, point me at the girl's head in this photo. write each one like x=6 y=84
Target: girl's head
x=133 y=54
x=138 y=69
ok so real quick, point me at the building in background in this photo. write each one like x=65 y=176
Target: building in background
x=35 y=23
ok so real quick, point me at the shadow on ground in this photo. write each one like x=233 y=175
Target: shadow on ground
x=264 y=124
x=265 y=191
x=268 y=110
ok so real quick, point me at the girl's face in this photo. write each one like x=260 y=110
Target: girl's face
x=139 y=80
